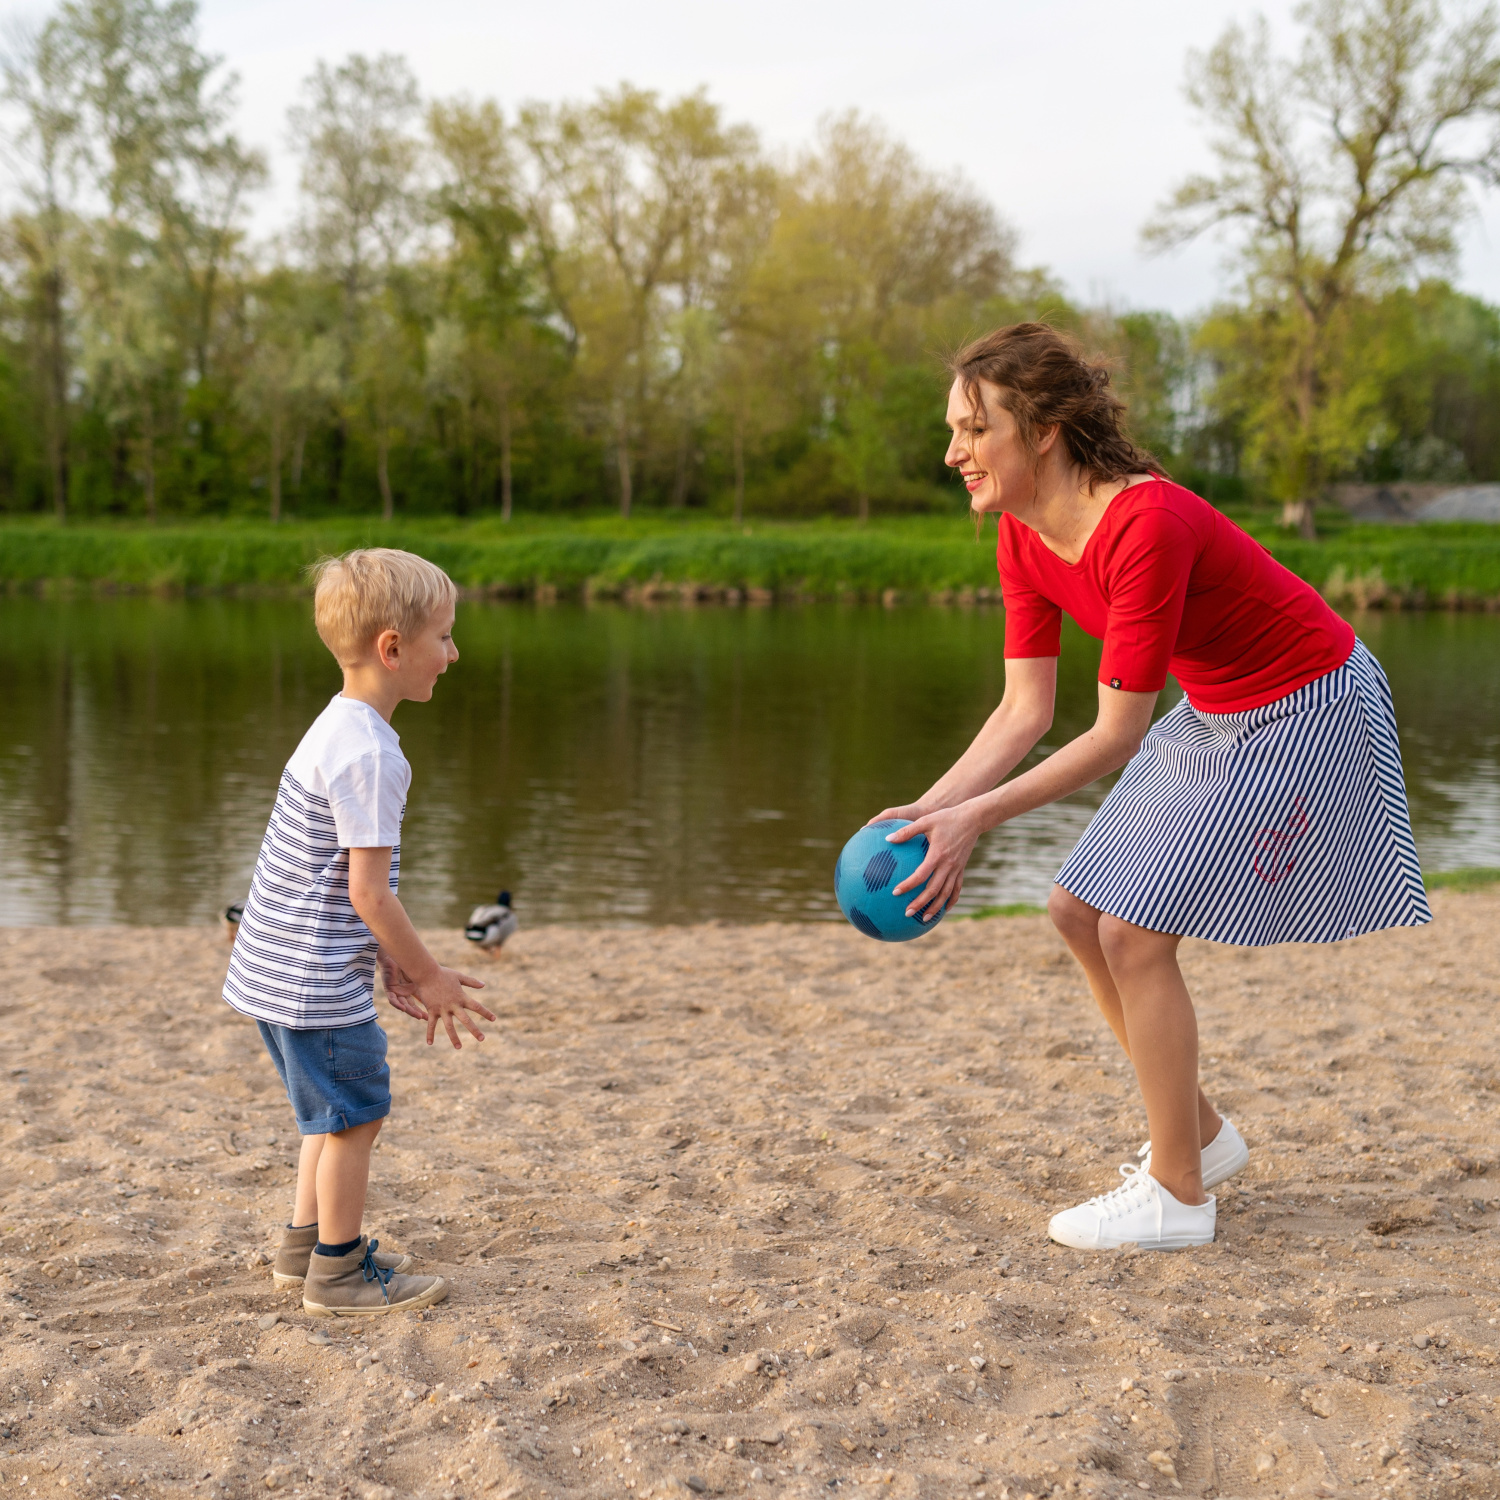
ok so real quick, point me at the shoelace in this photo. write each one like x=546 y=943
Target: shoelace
x=1143 y=1157
x=372 y=1272
x=1130 y=1192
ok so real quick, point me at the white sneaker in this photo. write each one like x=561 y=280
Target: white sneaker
x=1139 y=1212
x=1223 y=1156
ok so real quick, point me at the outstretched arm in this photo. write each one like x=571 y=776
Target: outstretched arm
x=1023 y=717
x=953 y=826
x=439 y=991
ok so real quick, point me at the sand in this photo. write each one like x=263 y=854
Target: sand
x=762 y=1211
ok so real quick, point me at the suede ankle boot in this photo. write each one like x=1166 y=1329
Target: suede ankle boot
x=290 y=1267
x=356 y=1285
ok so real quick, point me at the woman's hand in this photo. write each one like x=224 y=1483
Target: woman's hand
x=951 y=836
x=910 y=811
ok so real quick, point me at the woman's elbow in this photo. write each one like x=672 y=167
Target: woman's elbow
x=1038 y=725
x=1122 y=745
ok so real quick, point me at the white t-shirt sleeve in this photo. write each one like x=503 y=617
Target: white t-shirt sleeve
x=367 y=797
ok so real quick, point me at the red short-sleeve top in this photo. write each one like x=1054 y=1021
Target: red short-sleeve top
x=1170 y=584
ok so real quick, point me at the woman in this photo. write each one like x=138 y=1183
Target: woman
x=1267 y=807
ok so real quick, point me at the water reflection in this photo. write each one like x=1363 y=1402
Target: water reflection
x=605 y=764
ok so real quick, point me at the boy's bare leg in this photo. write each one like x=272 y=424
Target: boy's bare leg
x=305 y=1205
x=1079 y=925
x=343 y=1178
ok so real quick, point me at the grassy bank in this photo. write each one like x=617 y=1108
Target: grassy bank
x=1453 y=565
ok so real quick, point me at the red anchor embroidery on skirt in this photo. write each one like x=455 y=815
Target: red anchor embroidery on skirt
x=1273 y=845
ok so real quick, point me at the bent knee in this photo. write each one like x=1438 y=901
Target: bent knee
x=1072 y=918
x=1124 y=944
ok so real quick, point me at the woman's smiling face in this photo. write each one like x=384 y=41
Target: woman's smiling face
x=998 y=470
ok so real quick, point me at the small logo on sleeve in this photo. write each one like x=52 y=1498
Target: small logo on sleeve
x=1114 y=682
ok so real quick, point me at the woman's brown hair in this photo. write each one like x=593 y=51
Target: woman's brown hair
x=1043 y=379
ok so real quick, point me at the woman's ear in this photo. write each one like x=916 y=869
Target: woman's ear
x=1046 y=439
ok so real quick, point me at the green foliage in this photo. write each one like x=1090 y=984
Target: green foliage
x=1343 y=172
x=918 y=557
x=1474 y=878
x=625 y=301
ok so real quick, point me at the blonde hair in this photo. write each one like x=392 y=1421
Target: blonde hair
x=372 y=589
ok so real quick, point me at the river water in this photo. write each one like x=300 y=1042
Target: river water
x=607 y=765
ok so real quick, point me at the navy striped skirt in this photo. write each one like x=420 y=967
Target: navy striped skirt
x=1281 y=824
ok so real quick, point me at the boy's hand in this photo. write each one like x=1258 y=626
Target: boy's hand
x=399 y=989
x=442 y=999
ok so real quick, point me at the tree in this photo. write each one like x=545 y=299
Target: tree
x=630 y=202
x=361 y=213
x=873 y=265
x=291 y=376
x=1343 y=172
x=46 y=148
x=479 y=354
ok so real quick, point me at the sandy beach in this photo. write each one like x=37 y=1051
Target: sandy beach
x=761 y=1211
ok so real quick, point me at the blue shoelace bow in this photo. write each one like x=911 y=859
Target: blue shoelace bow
x=372 y=1272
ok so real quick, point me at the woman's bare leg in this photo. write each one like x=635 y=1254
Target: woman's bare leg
x=1163 y=1034
x=1079 y=924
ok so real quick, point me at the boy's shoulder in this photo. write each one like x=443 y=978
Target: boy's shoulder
x=345 y=732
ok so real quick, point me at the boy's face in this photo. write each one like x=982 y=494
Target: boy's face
x=418 y=662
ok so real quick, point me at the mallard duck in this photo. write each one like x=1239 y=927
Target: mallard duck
x=489 y=926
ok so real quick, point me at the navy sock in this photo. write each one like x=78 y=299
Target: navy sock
x=313 y=1225
x=321 y=1249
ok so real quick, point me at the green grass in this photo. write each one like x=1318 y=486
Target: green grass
x=915 y=558
x=1475 y=878
x=1012 y=909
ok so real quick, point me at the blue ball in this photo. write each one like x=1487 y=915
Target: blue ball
x=862 y=879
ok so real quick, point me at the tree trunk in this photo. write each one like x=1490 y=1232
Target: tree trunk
x=739 y=468
x=680 y=478
x=506 y=494
x=148 y=453
x=57 y=392
x=1299 y=513
x=275 y=468
x=622 y=462
x=383 y=473
x=340 y=452
x=298 y=444
x=864 y=506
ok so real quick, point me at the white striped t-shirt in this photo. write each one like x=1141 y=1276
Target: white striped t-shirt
x=303 y=957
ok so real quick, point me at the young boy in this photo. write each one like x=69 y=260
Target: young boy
x=323 y=909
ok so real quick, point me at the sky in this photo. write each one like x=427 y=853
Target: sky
x=1068 y=116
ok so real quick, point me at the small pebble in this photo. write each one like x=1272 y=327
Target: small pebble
x=1421 y=1341
x=317 y=1336
x=267 y=1321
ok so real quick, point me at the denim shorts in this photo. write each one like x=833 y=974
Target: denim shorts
x=336 y=1078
